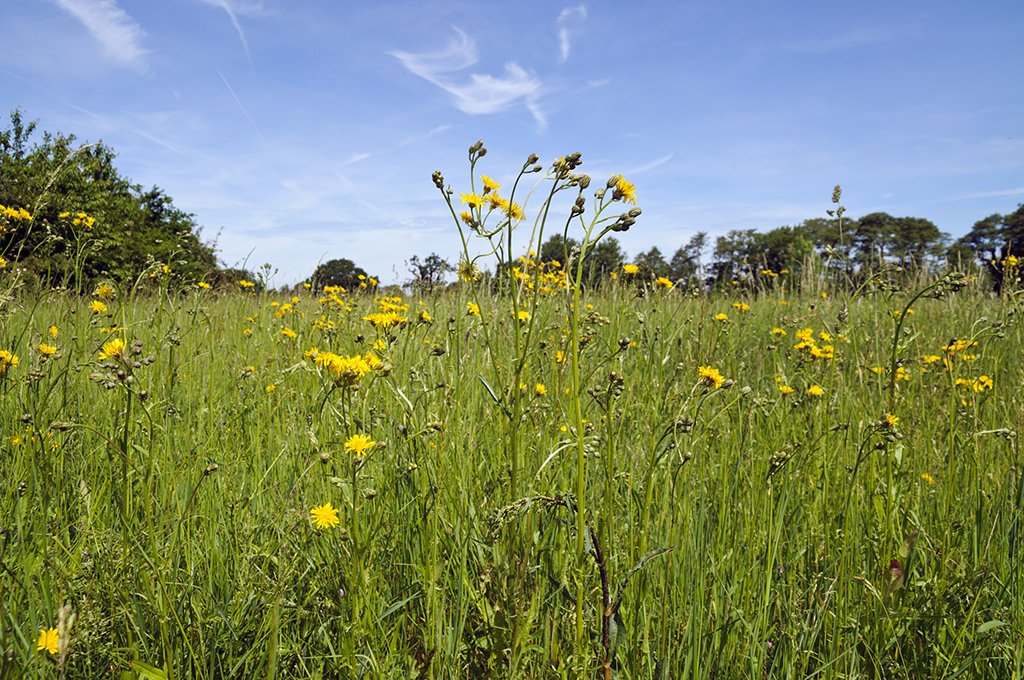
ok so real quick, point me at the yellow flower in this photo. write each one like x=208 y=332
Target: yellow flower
x=540 y=390
x=47 y=640
x=7 y=359
x=270 y=388
x=289 y=333
x=523 y=316
x=47 y=350
x=472 y=200
x=710 y=376
x=113 y=349
x=104 y=292
x=489 y=184
x=384 y=320
x=721 y=317
x=473 y=308
x=359 y=444
x=467 y=270
x=664 y=282
x=890 y=420
x=559 y=357
x=98 y=307
x=514 y=211
x=815 y=391
x=786 y=389
x=630 y=269
x=928 y=479
x=205 y=286
x=624 y=191
x=741 y=306
x=54 y=332
x=778 y=332
x=324 y=516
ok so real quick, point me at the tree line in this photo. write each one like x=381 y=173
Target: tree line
x=83 y=221
x=88 y=222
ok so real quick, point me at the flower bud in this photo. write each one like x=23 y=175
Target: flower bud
x=532 y=160
x=612 y=181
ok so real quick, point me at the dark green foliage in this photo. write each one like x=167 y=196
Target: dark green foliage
x=134 y=230
x=428 y=274
x=341 y=272
x=603 y=259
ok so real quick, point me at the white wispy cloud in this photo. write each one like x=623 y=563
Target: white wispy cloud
x=239 y=102
x=568 y=16
x=232 y=10
x=652 y=164
x=481 y=93
x=119 y=34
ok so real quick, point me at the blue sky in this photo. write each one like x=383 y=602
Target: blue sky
x=305 y=130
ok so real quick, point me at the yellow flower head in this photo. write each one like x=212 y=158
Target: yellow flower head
x=98 y=307
x=104 y=292
x=324 y=516
x=473 y=308
x=113 y=349
x=624 y=191
x=710 y=376
x=890 y=420
x=467 y=270
x=359 y=444
x=472 y=200
x=721 y=317
x=48 y=640
x=540 y=390
x=786 y=389
x=664 y=282
x=7 y=359
x=630 y=269
x=815 y=391
x=489 y=184
x=47 y=350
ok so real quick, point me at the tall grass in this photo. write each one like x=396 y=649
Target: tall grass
x=156 y=505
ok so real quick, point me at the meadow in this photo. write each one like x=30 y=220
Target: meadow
x=513 y=477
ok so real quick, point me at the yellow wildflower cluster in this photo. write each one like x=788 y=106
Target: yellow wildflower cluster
x=492 y=202
x=979 y=384
x=14 y=214
x=7 y=359
x=547 y=277
x=80 y=219
x=810 y=347
x=346 y=370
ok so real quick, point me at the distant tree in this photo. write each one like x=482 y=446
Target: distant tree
x=429 y=273
x=602 y=259
x=985 y=239
x=652 y=264
x=127 y=231
x=732 y=256
x=557 y=249
x=686 y=261
x=995 y=238
x=340 y=272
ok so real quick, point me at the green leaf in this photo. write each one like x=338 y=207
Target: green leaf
x=147 y=671
x=490 y=390
x=989 y=625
